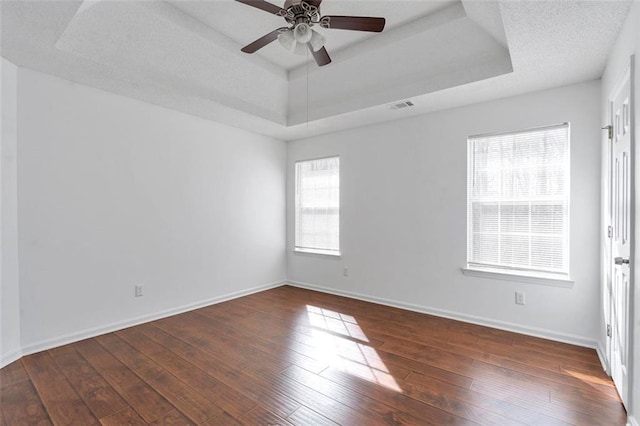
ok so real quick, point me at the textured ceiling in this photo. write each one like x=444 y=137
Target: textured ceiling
x=185 y=55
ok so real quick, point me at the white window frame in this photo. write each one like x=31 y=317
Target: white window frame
x=298 y=247
x=504 y=272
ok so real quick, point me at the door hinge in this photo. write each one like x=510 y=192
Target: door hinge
x=609 y=130
x=608 y=330
x=610 y=231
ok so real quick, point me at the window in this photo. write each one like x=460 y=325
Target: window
x=518 y=203
x=318 y=206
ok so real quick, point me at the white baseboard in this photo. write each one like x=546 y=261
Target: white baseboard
x=488 y=322
x=603 y=358
x=9 y=357
x=96 y=331
x=631 y=421
x=6 y=359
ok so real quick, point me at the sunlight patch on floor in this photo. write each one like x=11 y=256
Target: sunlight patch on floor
x=335 y=322
x=341 y=343
x=586 y=377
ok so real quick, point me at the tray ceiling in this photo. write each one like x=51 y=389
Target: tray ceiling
x=185 y=55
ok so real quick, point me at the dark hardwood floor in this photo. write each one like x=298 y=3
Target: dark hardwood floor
x=292 y=356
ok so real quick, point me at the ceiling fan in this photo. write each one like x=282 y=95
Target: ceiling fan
x=302 y=15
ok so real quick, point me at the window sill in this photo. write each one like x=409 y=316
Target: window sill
x=522 y=277
x=319 y=253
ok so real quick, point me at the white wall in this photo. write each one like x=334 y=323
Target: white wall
x=115 y=192
x=628 y=44
x=403 y=224
x=9 y=288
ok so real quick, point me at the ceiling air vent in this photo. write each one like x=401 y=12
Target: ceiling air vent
x=400 y=105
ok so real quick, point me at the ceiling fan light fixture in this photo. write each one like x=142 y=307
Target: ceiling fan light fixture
x=302 y=33
x=286 y=40
x=317 y=41
x=289 y=41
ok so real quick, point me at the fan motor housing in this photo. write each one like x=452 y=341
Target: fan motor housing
x=298 y=11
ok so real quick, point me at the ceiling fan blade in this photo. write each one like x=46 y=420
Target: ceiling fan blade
x=315 y=3
x=266 y=6
x=355 y=23
x=321 y=56
x=262 y=41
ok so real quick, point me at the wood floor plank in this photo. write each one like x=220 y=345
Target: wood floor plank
x=126 y=416
x=535 y=373
x=12 y=374
x=266 y=375
x=149 y=404
x=259 y=337
x=227 y=398
x=62 y=402
x=595 y=377
x=21 y=405
x=404 y=322
x=391 y=360
x=305 y=416
x=276 y=384
x=99 y=396
x=173 y=417
x=566 y=413
x=222 y=369
x=328 y=407
x=229 y=342
x=455 y=363
x=530 y=374
x=187 y=400
x=295 y=356
x=450 y=397
x=344 y=325
x=224 y=419
x=576 y=398
x=375 y=400
x=323 y=347
x=405 y=400
x=564 y=350
x=565 y=389
x=261 y=416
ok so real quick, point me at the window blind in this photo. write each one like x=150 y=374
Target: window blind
x=317 y=206
x=518 y=201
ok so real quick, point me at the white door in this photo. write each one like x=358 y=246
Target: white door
x=622 y=221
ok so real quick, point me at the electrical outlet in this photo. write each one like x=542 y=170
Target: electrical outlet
x=138 y=292
x=519 y=298
x=345 y=271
